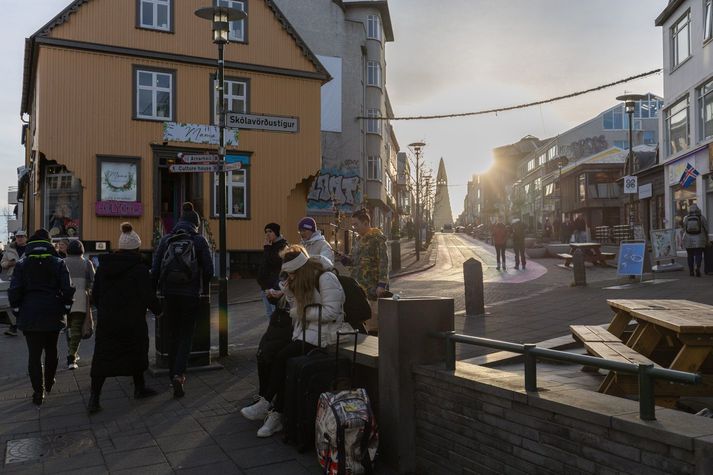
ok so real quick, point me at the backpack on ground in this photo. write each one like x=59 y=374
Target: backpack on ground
x=180 y=261
x=693 y=224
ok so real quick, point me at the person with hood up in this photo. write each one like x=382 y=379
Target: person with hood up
x=695 y=238
x=122 y=292
x=40 y=295
x=370 y=264
x=313 y=240
x=181 y=284
x=12 y=255
x=309 y=281
x=268 y=276
x=80 y=324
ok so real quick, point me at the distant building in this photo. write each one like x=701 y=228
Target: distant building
x=687 y=119
x=442 y=212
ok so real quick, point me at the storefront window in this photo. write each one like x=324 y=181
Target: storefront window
x=682 y=199
x=62 y=211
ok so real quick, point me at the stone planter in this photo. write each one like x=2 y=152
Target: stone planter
x=536 y=252
x=530 y=242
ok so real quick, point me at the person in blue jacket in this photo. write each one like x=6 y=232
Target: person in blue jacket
x=41 y=295
x=181 y=279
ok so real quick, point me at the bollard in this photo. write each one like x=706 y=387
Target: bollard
x=473 y=281
x=395 y=255
x=580 y=274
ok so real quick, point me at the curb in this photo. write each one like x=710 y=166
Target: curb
x=432 y=261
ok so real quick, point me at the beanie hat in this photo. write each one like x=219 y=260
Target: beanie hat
x=189 y=214
x=75 y=248
x=40 y=235
x=274 y=227
x=129 y=240
x=307 y=223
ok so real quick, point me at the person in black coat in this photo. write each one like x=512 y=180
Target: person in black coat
x=268 y=277
x=122 y=292
x=41 y=295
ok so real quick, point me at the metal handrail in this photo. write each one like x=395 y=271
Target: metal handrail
x=646 y=373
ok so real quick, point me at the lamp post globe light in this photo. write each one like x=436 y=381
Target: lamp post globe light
x=416 y=148
x=630 y=101
x=221 y=18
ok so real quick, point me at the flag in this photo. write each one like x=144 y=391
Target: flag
x=688 y=177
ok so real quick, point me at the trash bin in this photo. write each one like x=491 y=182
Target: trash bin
x=200 y=347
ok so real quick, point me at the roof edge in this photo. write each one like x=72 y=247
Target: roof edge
x=668 y=11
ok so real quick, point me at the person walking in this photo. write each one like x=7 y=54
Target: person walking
x=580 y=229
x=313 y=240
x=518 y=243
x=695 y=238
x=12 y=255
x=268 y=276
x=40 y=295
x=370 y=264
x=80 y=321
x=308 y=282
x=122 y=292
x=182 y=270
x=500 y=238
x=62 y=248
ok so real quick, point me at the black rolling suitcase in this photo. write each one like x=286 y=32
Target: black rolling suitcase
x=708 y=259
x=308 y=376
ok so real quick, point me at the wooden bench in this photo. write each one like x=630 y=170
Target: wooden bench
x=615 y=383
x=367 y=349
x=592 y=333
x=608 y=255
x=567 y=258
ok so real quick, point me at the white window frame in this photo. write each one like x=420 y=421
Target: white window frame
x=667 y=124
x=684 y=22
x=156 y=4
x=373 y=126
x=707 y=20
x=531 y=165
x=373 y=73
x=228 y=93
x=229 y=186
x=154 y=93
x=705 y=91
x=374 y=168
x=373 y=27
x=233 y=35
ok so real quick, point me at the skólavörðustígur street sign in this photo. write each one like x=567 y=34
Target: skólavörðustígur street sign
x=270 y=123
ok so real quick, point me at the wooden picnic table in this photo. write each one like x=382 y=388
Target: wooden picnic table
x=592 y=252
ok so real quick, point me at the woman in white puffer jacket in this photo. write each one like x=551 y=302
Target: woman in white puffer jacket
x=309 y=281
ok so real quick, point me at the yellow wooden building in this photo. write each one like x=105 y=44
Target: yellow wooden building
x=114 y=90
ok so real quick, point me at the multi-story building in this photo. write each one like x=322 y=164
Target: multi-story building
x=687 y=118
x=115 y=91
x=358 y=156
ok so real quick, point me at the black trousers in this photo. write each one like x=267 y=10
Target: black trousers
x=98 y=382
x=278 y=372
x=38 y=342
x=519 y=250
x=500 y=253
x=695 y=255
x=277 y=336
x=181 y=312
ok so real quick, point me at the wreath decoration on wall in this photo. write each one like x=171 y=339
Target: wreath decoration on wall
x=125 y=187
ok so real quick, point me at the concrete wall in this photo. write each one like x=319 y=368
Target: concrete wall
x=480 y=420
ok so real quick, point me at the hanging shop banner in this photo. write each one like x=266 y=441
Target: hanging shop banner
x=269 y=123
x=198 y=133
x=630 y=184
x=631 y=258
x=118 y=208
x=119 y=180
x=663 y=244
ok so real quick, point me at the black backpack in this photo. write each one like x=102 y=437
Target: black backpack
x=693 y=224
x=356 y=306
x=179 y=265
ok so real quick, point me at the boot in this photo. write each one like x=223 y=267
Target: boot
x=177 y=383
x=698 y=272
x=93 y=407
x=37 y=398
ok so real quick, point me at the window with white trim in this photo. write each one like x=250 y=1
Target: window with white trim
x=373 y=73
x=235 y=93
x=373 y=126
x=155 y=14
x=531 y=165
x=373 y=27
x=237 y=28
x=708 y=20
x=236 y=194
x=154 y=94
x=681 y=40
x=373 y=167
x=676 y=127
x=705 y=106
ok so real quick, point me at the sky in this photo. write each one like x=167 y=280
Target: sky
x=449 y=56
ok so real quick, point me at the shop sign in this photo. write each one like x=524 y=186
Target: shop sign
x=630 y=184
x=198 y=133
x=645 y=191
x=195 y=168
x=663 y=244
x=269 y=123
x=118 y=180
x=119 y=208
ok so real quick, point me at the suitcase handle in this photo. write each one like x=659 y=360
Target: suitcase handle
x=354 y=353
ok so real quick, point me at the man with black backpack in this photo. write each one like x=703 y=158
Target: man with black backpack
x=695 y=238
x=182 y=270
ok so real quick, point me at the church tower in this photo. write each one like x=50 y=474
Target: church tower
x=442 y=213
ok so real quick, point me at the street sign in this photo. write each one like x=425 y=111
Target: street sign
x=269 y=123
x=198 y=158
x=630 y=184
x=229 y=167
x=181 y=168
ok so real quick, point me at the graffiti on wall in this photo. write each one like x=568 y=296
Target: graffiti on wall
x=586 y=147
x=334 y=188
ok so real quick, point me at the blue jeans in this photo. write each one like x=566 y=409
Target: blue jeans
x=180 y=313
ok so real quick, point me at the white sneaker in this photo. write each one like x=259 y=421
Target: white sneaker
x=272 y=425
x=256 y=411
x=72 y=366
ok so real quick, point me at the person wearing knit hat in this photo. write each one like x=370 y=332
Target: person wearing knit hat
x=268 y=276
x=313 y=240
x=182 y=286
x=122 y=292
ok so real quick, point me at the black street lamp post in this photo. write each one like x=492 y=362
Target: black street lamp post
x=221 y=18
x=629 y=106
x=416 y=148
